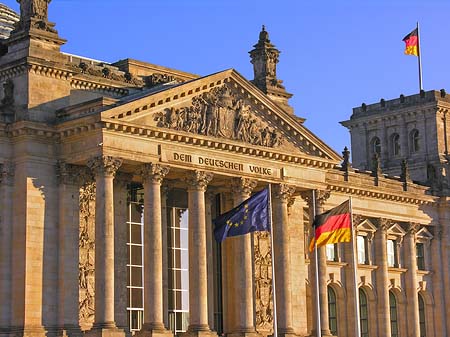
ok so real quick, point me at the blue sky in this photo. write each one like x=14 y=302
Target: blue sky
x=335 y=54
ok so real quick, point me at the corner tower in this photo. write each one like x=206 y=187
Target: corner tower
x=264 y=58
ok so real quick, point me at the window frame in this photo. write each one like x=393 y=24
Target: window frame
x=395 y=145
x=393 y=313
x=414 y=141
x=376 y=145
x=366 y=230
x=422 y=315
x=364 y=319
x=332 y=319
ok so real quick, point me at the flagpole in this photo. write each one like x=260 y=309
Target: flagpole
x=274 y=291
x=319 y=325
x=355 y=274
x=419 y=57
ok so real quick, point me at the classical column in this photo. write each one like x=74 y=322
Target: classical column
x=6 y=225
x=243 y=266
x=209 y=197
x=280 y=232
x=152 y=176
x=198 y=283
x=411 y=281
x=104 y=168
x=382 y=278
x=69 y=178
x=165 y=255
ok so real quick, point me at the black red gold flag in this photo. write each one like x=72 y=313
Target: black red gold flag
x=412 y=43
x=333 y=226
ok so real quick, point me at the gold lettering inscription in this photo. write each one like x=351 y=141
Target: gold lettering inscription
x=260 y=170
x=220 y=163
x=186 y=158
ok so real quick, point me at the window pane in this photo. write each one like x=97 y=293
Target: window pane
x=420 y=256
x=364 y=315
x=136 y=298
x=136 y=234
x=422 y=317
x=136 y=255
x=391 y=253
x=330 y=252
x=361 y=246
x=136 y=276
x=393 y=314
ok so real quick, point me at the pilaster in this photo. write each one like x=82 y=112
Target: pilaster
x=6 y=229
x=382 y=278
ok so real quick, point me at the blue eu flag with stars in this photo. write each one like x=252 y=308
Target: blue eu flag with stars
x=250 y=216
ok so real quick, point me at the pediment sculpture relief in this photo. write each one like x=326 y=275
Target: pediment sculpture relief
x=221 y=113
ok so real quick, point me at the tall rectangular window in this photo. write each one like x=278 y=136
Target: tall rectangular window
x=331 y=250
x=178 y=244
x=362 y=249
x=135 y=270
x=391 y=253
x=420 y=253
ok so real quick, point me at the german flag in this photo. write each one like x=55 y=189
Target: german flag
x=412 y=43
x=333 y=226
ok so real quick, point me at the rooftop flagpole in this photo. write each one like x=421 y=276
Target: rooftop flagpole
x=319 y=325
x=274 y=290
x=355 y=274
x=419 y=58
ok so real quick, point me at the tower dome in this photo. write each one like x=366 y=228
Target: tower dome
x=8 y=18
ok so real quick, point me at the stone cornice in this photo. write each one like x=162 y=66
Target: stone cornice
x=400 y=196
x=92 y=83
x=219 y=144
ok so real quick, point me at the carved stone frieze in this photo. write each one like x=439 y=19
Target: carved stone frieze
x=263 y=283
x=154 y=172
x=221 y=113
x=160 y=78
x=104 y=165
x=87 y=255
x=199 y=180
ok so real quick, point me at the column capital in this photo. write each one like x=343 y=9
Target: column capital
x=321 y=197
x=104 y=165
x=412 y=227
x=243 y=185
x=7 y=173
x=284 y=192
x=384 y=224
x=153 y=172
x=199 y=180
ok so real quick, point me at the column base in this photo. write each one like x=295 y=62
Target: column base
x=199 y=331
x=244 y=334
x=151 y=330
x=289 y=333
x=97 y=331
x=324 y=334
x=70 y=331
x=30 y=331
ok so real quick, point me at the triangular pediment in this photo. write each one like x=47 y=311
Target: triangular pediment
x=396 y=230
x=424 y=235
x=223 y=106
x=367 y=226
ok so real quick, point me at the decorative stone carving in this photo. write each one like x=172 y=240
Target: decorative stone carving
x=384 y=224
x=104 y=165
x=8 y=93
x=284 y=192
x=34 y=9
x=87 y=255
x=322 y=196
x=263 y=283
x=220 y=113
x=159 y=78
x=154 y=172
x=243 y=186
x=72 y=174
x=199 y=180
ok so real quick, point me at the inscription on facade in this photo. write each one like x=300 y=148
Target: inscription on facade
x=223 y=164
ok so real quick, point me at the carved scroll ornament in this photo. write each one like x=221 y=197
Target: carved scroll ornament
x=220 y=113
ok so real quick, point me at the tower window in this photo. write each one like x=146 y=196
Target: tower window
x=395 y=144
x=414 y=141
x=376 y=145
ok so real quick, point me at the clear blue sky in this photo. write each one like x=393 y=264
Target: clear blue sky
x=336 y=54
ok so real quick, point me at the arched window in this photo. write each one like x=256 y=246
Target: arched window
x=376 y=145
x=423 y=330
x=395 y=144
x=363 y=313
x=393 y=312
x=414 y=141
x=332 y=310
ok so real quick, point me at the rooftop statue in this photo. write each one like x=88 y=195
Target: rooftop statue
x=36 y=10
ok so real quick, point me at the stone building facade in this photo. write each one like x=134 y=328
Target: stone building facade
x=111 y=175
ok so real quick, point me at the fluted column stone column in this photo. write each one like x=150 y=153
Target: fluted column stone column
x=382 y=278
x=165 y=255
x=411 y=281
x=70 y=178
x=198 y=280
x=209 y=198
x=280 y=232
x=104 y=168
x=152 y=176
x=6 y=227
x=243 y=267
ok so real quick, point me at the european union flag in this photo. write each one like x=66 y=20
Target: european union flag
x=250 y=216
